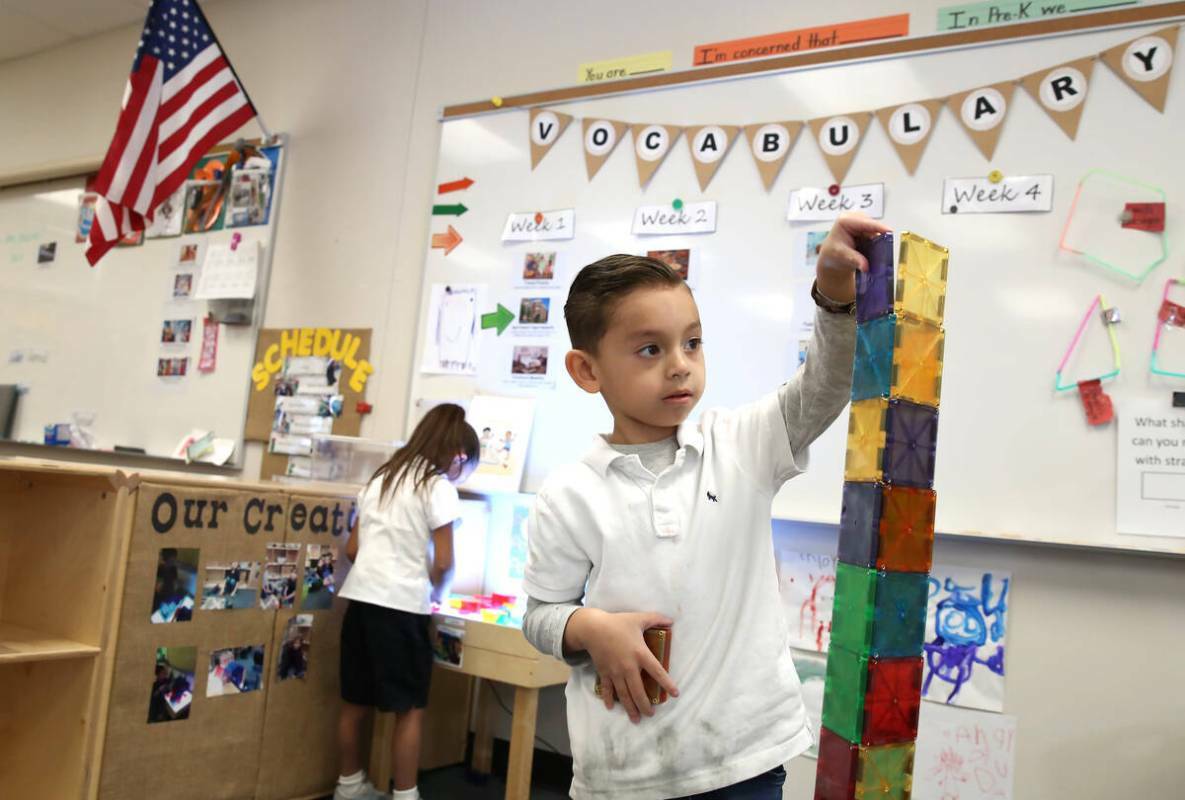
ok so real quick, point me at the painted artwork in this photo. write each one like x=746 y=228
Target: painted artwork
x=503 y=425
x=966 y=629
x=812 y=673
x=963 y=754
x=807 y=584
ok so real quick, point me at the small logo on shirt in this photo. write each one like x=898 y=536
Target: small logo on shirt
x=713 y=498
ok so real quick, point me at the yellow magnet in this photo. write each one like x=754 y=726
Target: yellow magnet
x=995 y=176
x=497 y=101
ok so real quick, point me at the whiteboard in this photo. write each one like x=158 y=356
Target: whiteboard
x=1014 y=460
x=83 y=339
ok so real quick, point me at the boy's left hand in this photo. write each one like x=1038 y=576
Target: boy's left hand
x=839 y=261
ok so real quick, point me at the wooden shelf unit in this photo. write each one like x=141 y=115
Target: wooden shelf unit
x=62 y=533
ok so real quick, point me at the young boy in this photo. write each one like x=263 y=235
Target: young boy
x=666 y=522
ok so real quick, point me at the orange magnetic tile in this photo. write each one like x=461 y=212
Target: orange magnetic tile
x=905 y=542
x=917 y=361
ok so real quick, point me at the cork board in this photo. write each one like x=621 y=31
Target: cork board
x=261 y=403
x=298 y=754
x=214 y=752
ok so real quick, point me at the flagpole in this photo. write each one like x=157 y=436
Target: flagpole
x=268 y=136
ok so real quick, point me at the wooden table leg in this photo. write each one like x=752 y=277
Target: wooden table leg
x=522 y=744
x=483 y=737
x=383 y=730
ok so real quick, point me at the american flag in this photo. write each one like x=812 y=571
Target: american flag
x=182 y=98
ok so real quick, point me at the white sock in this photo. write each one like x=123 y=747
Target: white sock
x=407 y=794
x=351 y=785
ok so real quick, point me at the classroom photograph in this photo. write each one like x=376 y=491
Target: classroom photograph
x=356 y=432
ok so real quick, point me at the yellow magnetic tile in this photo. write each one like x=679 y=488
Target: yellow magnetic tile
x=866 y=440
x=921 y=278
x=917 y=361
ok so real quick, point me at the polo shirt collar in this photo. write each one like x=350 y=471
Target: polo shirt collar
x=601 y=455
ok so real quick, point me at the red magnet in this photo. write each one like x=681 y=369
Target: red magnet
x=833 y=189
x=1143 y=216
x=1095 y=402
x=363 y=408
x=538 y=217
x=1172 y=314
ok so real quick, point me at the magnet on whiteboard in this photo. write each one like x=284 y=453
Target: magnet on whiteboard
x=677 y=204
x=363 y=407
x=833 y=189
x=995 y=176
x=538 y=217
x=1111 y=316
x=1178 y=399
x=234 y=241
x=497 y=101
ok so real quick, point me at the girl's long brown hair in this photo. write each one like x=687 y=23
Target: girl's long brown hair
x=439 y=437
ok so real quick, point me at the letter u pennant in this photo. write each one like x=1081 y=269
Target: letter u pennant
x=872 y=694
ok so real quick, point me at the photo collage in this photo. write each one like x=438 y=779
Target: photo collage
x=288 y=579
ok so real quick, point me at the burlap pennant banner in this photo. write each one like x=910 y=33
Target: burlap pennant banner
x=601 y=137
x=652 y=144
x=909 y=127
x=546 y=128
x=839 y=138
x=982 y=111
x=709 y=144
x=1145 y=64
x=1061 y=91
x=770 y=143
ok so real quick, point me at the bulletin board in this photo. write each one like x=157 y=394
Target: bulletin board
x=88 y=340
x=273 y=742
x=1016 y=460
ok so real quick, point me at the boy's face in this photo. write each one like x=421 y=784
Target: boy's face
x=649 y=365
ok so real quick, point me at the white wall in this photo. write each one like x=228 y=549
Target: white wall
x=1097 y=640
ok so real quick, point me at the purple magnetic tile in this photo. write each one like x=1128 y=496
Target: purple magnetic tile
x=911 y=433
x=859 y=523
x=874 y=289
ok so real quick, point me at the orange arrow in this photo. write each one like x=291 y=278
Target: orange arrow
x=454 y=186
x=446 y=241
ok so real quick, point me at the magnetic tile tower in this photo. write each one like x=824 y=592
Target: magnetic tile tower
x=886 y=537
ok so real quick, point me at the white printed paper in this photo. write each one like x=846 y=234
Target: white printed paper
x=1150 y=470
x=1010 y=195
x=451 y=341
x=538 y=226
x=229 y=274
x=664 y=220
x=963 y=755
x=810 y=204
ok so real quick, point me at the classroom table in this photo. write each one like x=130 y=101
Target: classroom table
x=491 y=653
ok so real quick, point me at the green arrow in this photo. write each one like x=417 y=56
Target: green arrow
x=455 y=210
x=499 y=319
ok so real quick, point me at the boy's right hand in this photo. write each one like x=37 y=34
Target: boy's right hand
x=620 y=655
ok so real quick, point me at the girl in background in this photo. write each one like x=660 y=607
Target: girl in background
x=402 y=549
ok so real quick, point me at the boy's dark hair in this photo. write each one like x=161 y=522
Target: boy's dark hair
x=598 y=288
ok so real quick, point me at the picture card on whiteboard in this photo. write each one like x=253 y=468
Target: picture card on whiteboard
x=451 y=340
x=666 y=220
x=533 y=270
x=503 y=426
x=1019 y=194
x=537 y=226
x=812 y=204
x=684 y=261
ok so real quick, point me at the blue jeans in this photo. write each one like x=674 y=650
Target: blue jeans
x=766 y=786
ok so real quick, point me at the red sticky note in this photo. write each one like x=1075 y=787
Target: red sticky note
x=1172 y=313
x=1095 y=402
x=1144 y=216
